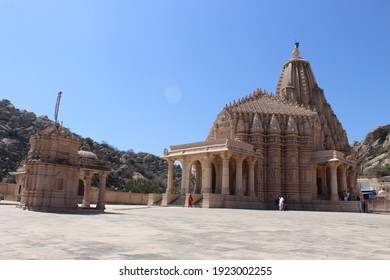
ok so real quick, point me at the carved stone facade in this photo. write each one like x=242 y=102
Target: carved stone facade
x=55 y=173
x=263 y=145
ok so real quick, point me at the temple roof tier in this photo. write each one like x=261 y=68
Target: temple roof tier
x=267 y=104
x=213 y=146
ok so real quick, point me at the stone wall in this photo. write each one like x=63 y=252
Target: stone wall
x=7 y=189
x=380 y=205
x=120 y=197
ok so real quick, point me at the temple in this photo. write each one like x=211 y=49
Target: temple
x=265 y=145
x=57 y=173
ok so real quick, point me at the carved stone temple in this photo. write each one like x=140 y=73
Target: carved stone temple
x=264 y=145
x=56 y=174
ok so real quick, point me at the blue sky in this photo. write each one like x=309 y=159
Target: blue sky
x=145 y=75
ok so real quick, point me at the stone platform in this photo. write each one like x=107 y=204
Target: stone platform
x=126 y=232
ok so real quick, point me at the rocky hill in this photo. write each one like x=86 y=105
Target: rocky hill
x=137 y=172
x=374 y=152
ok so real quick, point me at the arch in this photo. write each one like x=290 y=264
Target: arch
x=195 y=177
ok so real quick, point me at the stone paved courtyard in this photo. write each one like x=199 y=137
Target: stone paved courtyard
x=143 y=233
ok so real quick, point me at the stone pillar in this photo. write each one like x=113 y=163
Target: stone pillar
x=251 y=175
x=198 y=177
x=225 y=174
x=343 y=172
x=206 y=174
x=325 y=186
x=170 y=176
x=353 y=183
x=333 y=174
x=239 y=160
x=87 y=190
x=101 y=204
x=185 y=179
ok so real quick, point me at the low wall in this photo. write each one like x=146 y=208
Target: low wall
x=8 y=191
x=195 y=199
x=154 y=198
x=211 y=200
x=112 y=197
x=380 y=206
x=168 y=198
x=328 y=206
x=244 y=202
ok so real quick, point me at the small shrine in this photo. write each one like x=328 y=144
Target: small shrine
x=56 y=171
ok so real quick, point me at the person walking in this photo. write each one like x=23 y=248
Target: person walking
x=190 y=200
x=277 y=200
x=281 y=203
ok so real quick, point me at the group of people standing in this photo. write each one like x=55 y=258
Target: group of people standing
x=345 y=195
x=281 y=202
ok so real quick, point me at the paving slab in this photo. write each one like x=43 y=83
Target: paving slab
x=126 y=232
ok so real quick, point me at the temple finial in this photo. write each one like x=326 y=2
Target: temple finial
x=296 y=52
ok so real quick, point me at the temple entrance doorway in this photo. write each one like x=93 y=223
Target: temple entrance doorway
x=213 y=179
x=319 y=186
x=80 y=191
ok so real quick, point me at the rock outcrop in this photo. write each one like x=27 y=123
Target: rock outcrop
x=16 y=127
x=374 y=152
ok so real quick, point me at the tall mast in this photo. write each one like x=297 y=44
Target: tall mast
x=57 y=107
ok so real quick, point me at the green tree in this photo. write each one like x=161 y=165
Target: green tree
x=142 y=186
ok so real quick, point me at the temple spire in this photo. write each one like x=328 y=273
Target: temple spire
x=296 y=52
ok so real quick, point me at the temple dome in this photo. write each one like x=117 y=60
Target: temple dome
x=55 y=143
x=57 y=131
x=84 y=152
